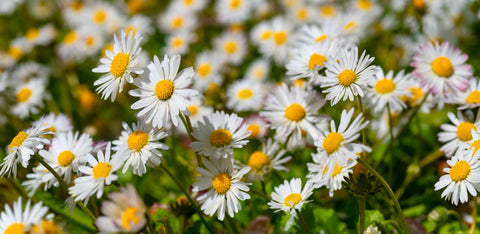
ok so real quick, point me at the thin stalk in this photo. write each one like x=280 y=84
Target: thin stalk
x=180 y=186
x=391 y=145
x=260 y=194
x=362 y=200
x=233 y=226
x=188 y=126
x=403 y=224
x=474 y=215
x=302 y=220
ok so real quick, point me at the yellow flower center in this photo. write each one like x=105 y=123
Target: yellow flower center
x=221 y=182
x=24 y=94
x=298 y=82
x=220 y=137
x=292 y=199
x=417 y=93
x=77 y=5
x=89 y=41
x=419 y=4
x=460 y=171
x=47 y=227
x=245 y=94
x=230 y=47
x=129 y=216
x=177 y=42
x=137 y=140
x=70 y=38
x=32 y=34
x=302 y=14
x=119 y=64
x=336 y=170
x=385 y=86
x=164 y=89
x=18 y=140
x=316 y=59
x=235 y=4
x=295 y=112
x=351 y=25
x=102 y=169
x=259 y=72
x=177 y=22
x=321 y=38
x=193 y=110
x=327 y=10
x=15 y=52
x=476 y=146
x=65 y=158
x=204 y=69
x=332 y=142
x=258 y=160
x=254 y=129
x=473 y=97
x=464 y=131
x=15 y=228
x=364 y=4
x=347 y=77
x=280 y=38
x=188 y=2
x=99 y=16
x=266 y=35
x=442 y=66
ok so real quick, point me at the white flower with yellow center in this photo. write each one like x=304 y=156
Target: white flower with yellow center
x=22 y=146
x=261 y=33
x=18 y=220
x=177 y=20
x=104 y=16
x=30 y=70
x=177 y=43
x=337 y=145
x=224 y=186
x=232 y=45
x=258 y=70
x=125 y=213
x=207 y=69
x=192 y=6
x=91 y=41
x=328 y=11
x=95 y=176
x=313 y=34
x=279 y=42
x=292 y=111
x=66 y=152
x=58 y=123
x=40 y=36
x=218 y=134
x=163 y=92
x=319 y=175
x=460 y=132
x=470 y=98
x=290 y=196
x=264 y=161
x=120 y=65
x=348 y=77
x=388 y=89
x=69 y=49
x=139 y=24
x=441 y=68
x=37 y=178
x=29 y=97
x=301 y=14
x=257 y=126
x=139 y=146
x=246 y=95
x=462 y=178
x=233 y=11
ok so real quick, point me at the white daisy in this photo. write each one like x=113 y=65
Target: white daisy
x=163 y=92
x=176 y=20
x=58 y=124
x=246 y=95
x=119 y=66
x=278 y=45
x=7 y=7
x=30 y=97
x=319 y=177
x=27 y=71
x=177 y=43
x=258 y=70
x=191 y=5
x=139 y=146
x=207 y=69
x=460 y=132
x=224 y=186
x=312 y=34
x=233 y=11
x=388 y=90
x=257 y=126
x=232 y=45
x=470 y=98
x=139 y=24
x=218 y=134
x=290 y=196
x=69 y=49
x=35 y=179
x=41 y=36
x=264 y=161
x=16 y=219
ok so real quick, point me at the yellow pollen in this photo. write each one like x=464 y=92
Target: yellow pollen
x=220 y=137
x=336 y=170
x=32 y=34
x=302 y=14
x=137 y=140
x=47 y=227
x=476 y=146
x=177 y=42
x=204 y=69
x=65 y=158
x=177 y=22
x=87 y=98
x=119 y=64
x=347 y=77
x=473 y=97
x=464 y=131
x=442 y=66
x=259 y=72
x=327 y=10
x=460 y=171
x=321 y=38
x=193 y=110
x=230 y=47
x=235 y=4
x=188 y=2
x=298 y=82
x=164 y=89
x=332 y=142
x=99 y=16
x=245 y=94
x=254 y=129
x=129 y=216
x=417 y=93
x=102 y=169
x=364 y=4
x=266 y=35
x=295 y=112
x=17 y=140
x=349 y=26
x=280 y=38
x=77 y=5
x=70 y=38
x=419 y=4
x=130 y=29
x=385 y=86
x=221 y=183
x=292 y=199
x=236 y=27
x=15 y=228
x=89 y=41
x=258 y=160
x=24 y=94
x=15 y=52
x=316 y=59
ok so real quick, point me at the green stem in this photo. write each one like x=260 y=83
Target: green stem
x=188 y=126
x=403 y=224
x=362 y=200
x=391 y=145
x=302 y=221
x=233 y=226
x=474 y=215
x=260 y=194
x=180 y=186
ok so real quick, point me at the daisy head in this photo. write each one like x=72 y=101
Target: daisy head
x=223 y=185
x=178 y=43
x=257 y=126
x=454 y=135
x=246 y=95
x=29 y=97
x=470 y=98
x=16 y=219
x=207 y=69
x=269 y=158
x=388 y=89
x=290 y=196
x=233 y=11
x=232 y=45
x=258 y=70
x=319 y=174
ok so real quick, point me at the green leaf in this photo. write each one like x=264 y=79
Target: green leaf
x=415 y=211
x=373 y=216
x=327 y=220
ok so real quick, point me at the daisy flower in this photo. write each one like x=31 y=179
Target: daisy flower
x=264 y=161
x=58 y=124
x=233 y=46
x=246 y=95
x=41 y=36
x=388 y=89
x=139 y=24
x=23 y=146
x=175 y=19
x=35 y=179
x=258 y=70
x=290 y=196
x=125 y=213
x=462 y=177
x=139 y=146
x=257 y=126
x=224 y=187
x=313 y=34
x=261 y=33
x=207 y=69
x=460 y=132
x=104 y=16
x=349 y=76
x=233 y=11
x=69 y=49
x=99 y=173
x=319 y=177
x=30 y=97
x=470 y=98
x=16 y=219
x=441 y=67
x=328 y=11
x=278 y=45
x=178 y=43
x=27 y=71
x=163 y=92
x=218 y=134
x=119 y=65
x=190 y=5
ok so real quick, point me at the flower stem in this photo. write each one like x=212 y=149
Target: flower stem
x=474 y=215
x=188 y=126
x=362 y=200
x=360 y=106
x=302 y=220
x=403 y=224
x=392 y=143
